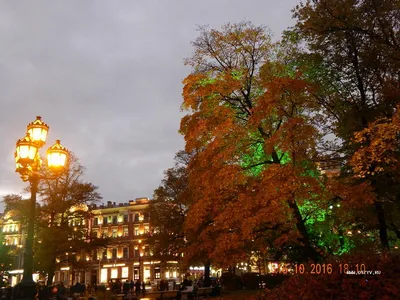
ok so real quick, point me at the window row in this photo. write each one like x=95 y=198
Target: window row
x=116 y=219
x=115 y=232
x=117 y=273
x=11 y=228
x=12 y=241
x=77 y=222
x=122 y=252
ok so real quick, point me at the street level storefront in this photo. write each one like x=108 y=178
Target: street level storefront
x=148 y=271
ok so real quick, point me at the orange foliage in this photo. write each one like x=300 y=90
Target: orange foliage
x=234 y=106
x=353 y=195
x=379 y=150
x=232 y=210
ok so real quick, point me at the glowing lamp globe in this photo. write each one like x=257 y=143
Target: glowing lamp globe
x=57 y=156
x=38 y=131
x=26 y=151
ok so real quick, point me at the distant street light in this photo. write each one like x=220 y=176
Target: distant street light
x=28 y=163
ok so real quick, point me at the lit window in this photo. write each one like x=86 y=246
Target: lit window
x=136 y=273
x=125 y=272
x=157 y=272
x=114 y=273
x=103 y=275
x=146 y=272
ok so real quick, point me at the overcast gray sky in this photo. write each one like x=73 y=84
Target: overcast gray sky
x=107 y=77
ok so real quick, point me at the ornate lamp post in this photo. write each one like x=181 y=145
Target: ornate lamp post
x=140 y=266
x=140 y=260
x=28 y=163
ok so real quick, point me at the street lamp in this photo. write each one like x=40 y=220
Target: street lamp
x=140 y=260
x=28 y=163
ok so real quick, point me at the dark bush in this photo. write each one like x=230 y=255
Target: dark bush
x=251 y=281
x=273 y=280
x=231 y=281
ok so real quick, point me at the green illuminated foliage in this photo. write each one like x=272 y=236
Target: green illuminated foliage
x=237 y=74
x=206 y=81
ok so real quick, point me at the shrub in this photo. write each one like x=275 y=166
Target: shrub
x=273 y=280
x=230 y=281
x=251 y=281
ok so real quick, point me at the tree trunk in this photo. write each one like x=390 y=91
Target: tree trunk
x=73 y=277
x=383 y=235
x=380 y=213
x=341 y=239
x=50 y=276
x=207 y=281
x=396 y=230
x=310 y=252
x=52 y=216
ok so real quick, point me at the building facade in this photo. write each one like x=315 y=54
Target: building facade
x=14 y=240
x=128 y=254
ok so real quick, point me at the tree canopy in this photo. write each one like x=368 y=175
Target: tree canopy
x=260 y=118
x=249 y=125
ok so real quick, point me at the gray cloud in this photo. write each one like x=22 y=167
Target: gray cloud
x=107 y=77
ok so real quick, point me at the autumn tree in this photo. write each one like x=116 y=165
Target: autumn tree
x=378 y=158
x=168 y=210
x=249 y=123
x=352 y=53
x=16 y=204
x=62 y=232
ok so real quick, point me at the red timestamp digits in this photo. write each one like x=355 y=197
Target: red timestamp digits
x=313 y=269
x=329 y=269
x=347 y=269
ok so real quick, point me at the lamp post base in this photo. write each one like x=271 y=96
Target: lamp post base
x=25 y=291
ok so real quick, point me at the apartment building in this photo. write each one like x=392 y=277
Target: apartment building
x=128 y=255
x=13 y=237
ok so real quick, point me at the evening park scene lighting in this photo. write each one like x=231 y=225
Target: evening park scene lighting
x=239 y=150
